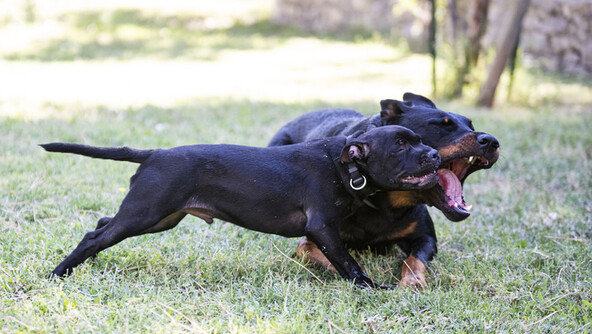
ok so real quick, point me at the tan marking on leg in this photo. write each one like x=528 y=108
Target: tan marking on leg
x=309 y=251
x=400 y=199
x=413 y=273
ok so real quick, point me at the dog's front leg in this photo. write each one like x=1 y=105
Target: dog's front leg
x=420 y=251
x=311 y=253
x=328 y=240
x=421 y=247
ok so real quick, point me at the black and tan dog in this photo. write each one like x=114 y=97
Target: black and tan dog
x=400 y=217
x=297 y=190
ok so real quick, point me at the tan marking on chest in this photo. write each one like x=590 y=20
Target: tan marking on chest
x=408 y=230
x=405 y=232
x=401 y=199
x=399 y=234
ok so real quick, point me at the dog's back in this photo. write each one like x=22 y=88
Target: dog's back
x=322 y=124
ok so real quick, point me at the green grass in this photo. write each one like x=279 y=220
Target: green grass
x=524 y=254
x=521 y=263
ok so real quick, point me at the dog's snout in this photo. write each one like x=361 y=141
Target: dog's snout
x=488 y=141
x=431 y=157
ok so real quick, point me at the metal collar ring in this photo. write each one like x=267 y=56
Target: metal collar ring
x=351 y=184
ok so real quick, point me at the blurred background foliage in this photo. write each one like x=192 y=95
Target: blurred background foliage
x=374 y=48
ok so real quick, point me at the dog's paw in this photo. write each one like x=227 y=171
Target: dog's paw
x=413 y=282
x=413 y=274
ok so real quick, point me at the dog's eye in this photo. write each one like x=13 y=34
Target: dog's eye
x=400 y=142
x=446 y=121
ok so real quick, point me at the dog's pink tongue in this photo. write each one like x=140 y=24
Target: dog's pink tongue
x=451 y=185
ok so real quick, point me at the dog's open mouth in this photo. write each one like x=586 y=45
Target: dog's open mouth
x=453 y=174
x=449 y=194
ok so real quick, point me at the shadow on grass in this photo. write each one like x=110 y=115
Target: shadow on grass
x=125 y=34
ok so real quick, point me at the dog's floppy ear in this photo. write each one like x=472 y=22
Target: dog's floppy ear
x=354 y=150
x=418 y=100
x=390 y=108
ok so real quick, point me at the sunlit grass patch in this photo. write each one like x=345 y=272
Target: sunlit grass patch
x=124 y=34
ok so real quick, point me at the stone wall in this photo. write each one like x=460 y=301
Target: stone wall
x=338 y=16
x=335 y=15
x=557 y=34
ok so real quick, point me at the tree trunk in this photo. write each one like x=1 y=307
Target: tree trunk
x=504 y=49
x=512 y=64
x=472 y=43
x=454 y=20
x=432 y=46
x=477 y=27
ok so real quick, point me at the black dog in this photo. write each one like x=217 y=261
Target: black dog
x=298 y=190
x=400 y=217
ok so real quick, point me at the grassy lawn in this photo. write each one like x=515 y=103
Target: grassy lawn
x=146 y=78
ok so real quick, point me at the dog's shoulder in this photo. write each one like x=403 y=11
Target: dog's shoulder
x=316 y=125
x=344 y=122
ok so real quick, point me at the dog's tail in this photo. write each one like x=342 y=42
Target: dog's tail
x=112 y=153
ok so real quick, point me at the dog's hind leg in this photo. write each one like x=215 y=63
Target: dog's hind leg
x=165 y=224
x=146 y=209
x=102 y=222
x=92 y=243
x=117 y=230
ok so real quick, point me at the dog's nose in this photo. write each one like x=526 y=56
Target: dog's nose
x=432 y=156
x=488 y=141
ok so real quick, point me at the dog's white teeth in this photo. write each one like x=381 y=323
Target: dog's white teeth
x=468 y=208
x=455 y=205
x=471 y=159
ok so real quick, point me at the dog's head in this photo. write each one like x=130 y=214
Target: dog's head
x=462 y=149
x=393 y=158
